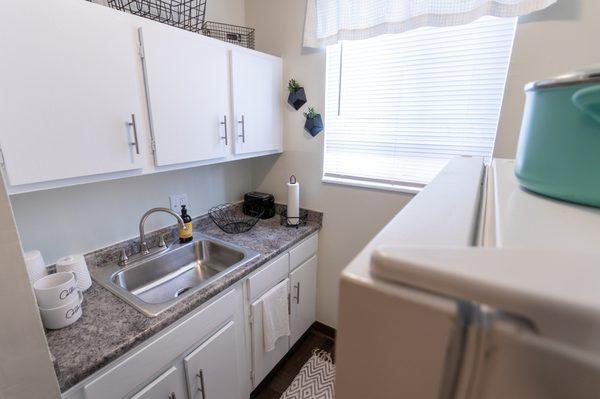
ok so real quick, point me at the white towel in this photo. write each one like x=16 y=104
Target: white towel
x=276 y=320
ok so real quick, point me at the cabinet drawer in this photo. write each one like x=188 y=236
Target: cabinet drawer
x=131 y=372
x=268 y=276
x=303 y=251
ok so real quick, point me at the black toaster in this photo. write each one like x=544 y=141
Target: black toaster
x=255 y=201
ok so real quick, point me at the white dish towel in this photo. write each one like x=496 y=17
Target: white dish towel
x=276 y=320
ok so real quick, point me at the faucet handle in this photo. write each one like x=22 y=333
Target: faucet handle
x=123 y=259
x=161 y=242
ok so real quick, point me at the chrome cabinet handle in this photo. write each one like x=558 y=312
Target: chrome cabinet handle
x=200 y=377
x=172 y=395
x=135 y=136
x=243 y=135
x=224 y=123
x=297 y=293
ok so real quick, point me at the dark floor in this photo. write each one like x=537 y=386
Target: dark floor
x=282 y=376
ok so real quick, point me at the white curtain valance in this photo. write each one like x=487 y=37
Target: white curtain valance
x=329 y=21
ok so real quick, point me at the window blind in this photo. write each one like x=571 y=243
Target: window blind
x=399 y=107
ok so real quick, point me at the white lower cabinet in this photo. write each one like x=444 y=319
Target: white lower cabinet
x=301 y=303
x=263 y=361
x=211 y=368
x=131 y=374
x=217 y=351
x=169 y=385
x=303 y=283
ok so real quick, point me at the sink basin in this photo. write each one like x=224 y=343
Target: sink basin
x=157 y=282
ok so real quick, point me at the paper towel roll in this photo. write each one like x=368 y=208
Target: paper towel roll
x=77 y=265
x=293 y=201
x=36 y=267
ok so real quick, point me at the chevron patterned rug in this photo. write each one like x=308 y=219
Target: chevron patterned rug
x=315 y=379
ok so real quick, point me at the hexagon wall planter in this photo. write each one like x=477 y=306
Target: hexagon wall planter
x=297 y=98
x=314 y=125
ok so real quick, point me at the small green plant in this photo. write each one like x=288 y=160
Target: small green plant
x=311 y=113
x=293 y=85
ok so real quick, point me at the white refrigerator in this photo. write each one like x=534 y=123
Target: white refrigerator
x=477 y=289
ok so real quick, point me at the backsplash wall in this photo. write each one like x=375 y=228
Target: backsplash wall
x=83 y=218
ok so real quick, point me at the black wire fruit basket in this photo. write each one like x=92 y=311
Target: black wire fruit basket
x=240 y=35
x=184 y=14
x=232 y=220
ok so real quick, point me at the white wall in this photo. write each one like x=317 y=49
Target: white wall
x=26 y=370
x=228 y=11
x=559 y=39
x=82 y=218
x=352 y=216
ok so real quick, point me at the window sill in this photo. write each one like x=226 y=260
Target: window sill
x=372 y=185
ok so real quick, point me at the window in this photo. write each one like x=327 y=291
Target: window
x=399 y=107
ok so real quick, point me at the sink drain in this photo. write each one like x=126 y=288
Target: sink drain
x=181 y=291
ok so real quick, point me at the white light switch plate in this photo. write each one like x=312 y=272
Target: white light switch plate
x=177 y=200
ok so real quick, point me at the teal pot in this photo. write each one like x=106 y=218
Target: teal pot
x=559 y=145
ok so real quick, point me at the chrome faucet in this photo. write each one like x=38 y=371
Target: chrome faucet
x=143 y=246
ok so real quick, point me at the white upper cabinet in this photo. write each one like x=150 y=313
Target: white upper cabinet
x=88 y=93
x=69 y=87
x=257 y=98
x=187 y=87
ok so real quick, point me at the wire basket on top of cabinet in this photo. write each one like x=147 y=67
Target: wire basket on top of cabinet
x=184 y=14
x=235 y=34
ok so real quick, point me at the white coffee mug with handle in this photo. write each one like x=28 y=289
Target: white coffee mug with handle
x=55 y=289
x=65 y=315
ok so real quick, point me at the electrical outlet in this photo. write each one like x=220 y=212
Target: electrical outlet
x=177 y=200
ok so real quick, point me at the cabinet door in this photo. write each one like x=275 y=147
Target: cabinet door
x=257 y=82
x=262 y=361
x=211 y=369
x=188 y=94
x=69 y=77
x=303 y=282
x=169 y=385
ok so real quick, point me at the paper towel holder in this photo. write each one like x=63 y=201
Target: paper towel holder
x=294 y=221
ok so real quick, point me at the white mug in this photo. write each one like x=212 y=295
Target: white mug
x=55 y=289
x=77 y=265
x=64 y=315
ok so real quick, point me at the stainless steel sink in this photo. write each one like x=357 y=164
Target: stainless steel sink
x=157 y=282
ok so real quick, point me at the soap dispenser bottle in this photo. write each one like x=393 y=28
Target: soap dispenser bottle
x=185 y=235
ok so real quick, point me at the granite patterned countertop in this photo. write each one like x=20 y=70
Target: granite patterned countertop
x=109 y=327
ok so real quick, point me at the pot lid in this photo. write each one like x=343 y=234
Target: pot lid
x=584 y=75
